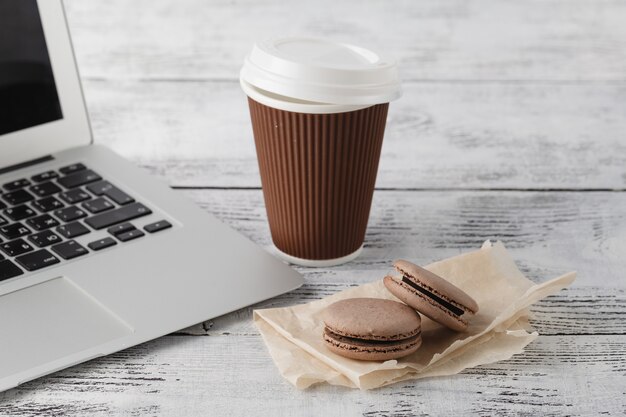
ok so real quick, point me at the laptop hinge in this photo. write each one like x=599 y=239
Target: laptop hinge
x=26 y=164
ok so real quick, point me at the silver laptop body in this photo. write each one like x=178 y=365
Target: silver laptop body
x=131 y=261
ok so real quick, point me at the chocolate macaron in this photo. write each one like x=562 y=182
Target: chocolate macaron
x=371 y=329
x=432 y=295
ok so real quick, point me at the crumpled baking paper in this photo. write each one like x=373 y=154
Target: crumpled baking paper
x=500 y=330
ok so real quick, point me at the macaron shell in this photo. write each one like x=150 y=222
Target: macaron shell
x=372 y=319
x=425 y=305
x=440 y=285
x=361 y=350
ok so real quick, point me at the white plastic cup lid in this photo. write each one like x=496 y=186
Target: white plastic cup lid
x=321 y=71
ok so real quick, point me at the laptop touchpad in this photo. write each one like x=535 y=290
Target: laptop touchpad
x=50 y=321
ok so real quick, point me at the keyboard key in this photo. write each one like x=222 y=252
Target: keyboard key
x=102 y=243
x=45 y=189
x=19 y=212
x=133 y=234
x=2 y=205
x=47 y=204
x=72 y=168
x=37 y=260
x=70 y=249
x=74 y=196
x=98 y=205
x=111 y=191
x=15 y=247
x=45 y=176
x=3 y=221
x=119 y=196
x=69 y=214
x=15 y=230
x=79 y=178
x=157 y=226
x=123 y=214
x=45 y=221
x=71 y=230
x=17 y=197
x=45 y=238
x=17 y=184
x=120 y=228
x=99 y=187
x=9 y=270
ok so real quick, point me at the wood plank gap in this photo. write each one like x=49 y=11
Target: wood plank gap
x=427 y=189
x=582 y=334
x=182 y=334
x=228 y=80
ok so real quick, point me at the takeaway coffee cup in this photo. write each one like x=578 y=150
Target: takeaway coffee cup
x=318 y=111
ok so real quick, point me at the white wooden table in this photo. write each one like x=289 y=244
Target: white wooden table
x=512 y=127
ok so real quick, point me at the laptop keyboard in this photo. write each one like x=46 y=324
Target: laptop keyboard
x=41 y=216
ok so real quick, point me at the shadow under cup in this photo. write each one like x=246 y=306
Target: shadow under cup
x=318 y=173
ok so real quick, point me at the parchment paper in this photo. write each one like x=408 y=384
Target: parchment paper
x=500 y=330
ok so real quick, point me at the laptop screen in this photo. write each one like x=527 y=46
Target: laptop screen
x=28 y=94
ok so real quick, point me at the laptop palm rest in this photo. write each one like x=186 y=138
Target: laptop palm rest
x=51 y=321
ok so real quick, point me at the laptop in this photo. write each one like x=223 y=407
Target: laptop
x=95 y=256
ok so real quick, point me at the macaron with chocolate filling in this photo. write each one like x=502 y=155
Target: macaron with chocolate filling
x=432 y=295
x=371 y=329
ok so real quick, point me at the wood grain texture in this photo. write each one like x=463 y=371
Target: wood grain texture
x=547 y=233
x=577 y=311
x=583 y=329
x=528 y=96
x=446 y=135
x=432 y=39
x=233 y=375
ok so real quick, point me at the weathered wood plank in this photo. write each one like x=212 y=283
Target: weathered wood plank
x=547 y=233
x=574 y=311
x=441 y=224
x=438 y=135
x=234 y=375
x=432 y=39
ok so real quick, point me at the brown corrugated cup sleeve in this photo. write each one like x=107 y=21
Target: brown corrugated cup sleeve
x=318 y=173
